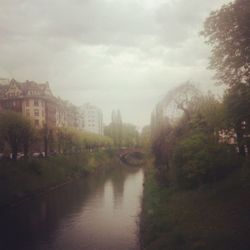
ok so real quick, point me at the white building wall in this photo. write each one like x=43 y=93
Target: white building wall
x=91 y=119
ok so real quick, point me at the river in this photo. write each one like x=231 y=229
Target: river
x=95 y=213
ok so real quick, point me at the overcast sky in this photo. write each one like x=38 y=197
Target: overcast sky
x=116 y=54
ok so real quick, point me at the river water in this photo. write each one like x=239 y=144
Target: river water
x=96 y=213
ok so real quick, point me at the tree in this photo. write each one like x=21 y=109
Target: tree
x=130 y=135
x=209 y=114
x=145 y=136
x=17 y=132
x=237 y=103
x=178 y=103
x=180 y=100
x=119 y=127
x=196 y=116
x=227 y=31
x=114 y=129
x=199 y=159
x=71 y=140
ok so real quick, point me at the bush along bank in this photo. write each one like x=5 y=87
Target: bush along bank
x=24 y=179
x=214 y=216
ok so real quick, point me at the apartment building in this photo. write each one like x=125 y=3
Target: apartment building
x=34 y=100
x=37 y=102
x=67 y=115
x=91 y=119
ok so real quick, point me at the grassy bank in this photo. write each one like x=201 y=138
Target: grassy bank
x=25 y=178
x=215 y=216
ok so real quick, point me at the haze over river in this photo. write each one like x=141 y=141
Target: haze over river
x=96 y=213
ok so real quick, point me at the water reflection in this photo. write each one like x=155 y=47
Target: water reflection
x=97 y=213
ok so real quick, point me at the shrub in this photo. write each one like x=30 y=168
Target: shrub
x=199 y=159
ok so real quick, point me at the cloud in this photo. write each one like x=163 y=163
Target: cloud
x=114 y=53
x=179 y=20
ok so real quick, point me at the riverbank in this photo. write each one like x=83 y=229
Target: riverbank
x=20 y=180
x=215 y=216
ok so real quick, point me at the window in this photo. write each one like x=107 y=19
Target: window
x=36 y=112
x=27 y=113
x=36 y=103
x=37 y=123
x=27 y=103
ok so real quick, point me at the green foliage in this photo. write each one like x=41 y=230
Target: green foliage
x=154 y=220
x=145 y=137
x=130 y=135
x=208 y=114
x=206 y=218
x=189 y=149
x=16 y=131
x=199 y=159
x=190 y=140
x=122 y=134
x=114 y=129
x=237 y=103
x=227 y=30
x=71 y=140
x=180 y=101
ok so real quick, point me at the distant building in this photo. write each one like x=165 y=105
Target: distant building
x=37 y=102
x=33 y=100
x=67 y=114
x=48 y=113
x=91 y=119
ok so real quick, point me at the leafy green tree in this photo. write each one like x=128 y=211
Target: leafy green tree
x=145 y=137
x=180 y=100
x=209 y=114
x=130 y=135
x=17 y=132
x=71 y=140
x=227 y=31
x=199 y=159
x=237 y=103
x=188 y=147
x=114 y=129
x=169 y=120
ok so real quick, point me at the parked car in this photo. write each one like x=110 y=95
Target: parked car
x=38 y=154
x=20 y=156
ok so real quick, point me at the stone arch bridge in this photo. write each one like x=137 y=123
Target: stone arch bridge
x=132 y=156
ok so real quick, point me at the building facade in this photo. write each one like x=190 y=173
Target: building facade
x=33 y=100
x=37 y=102
x=91 y=119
